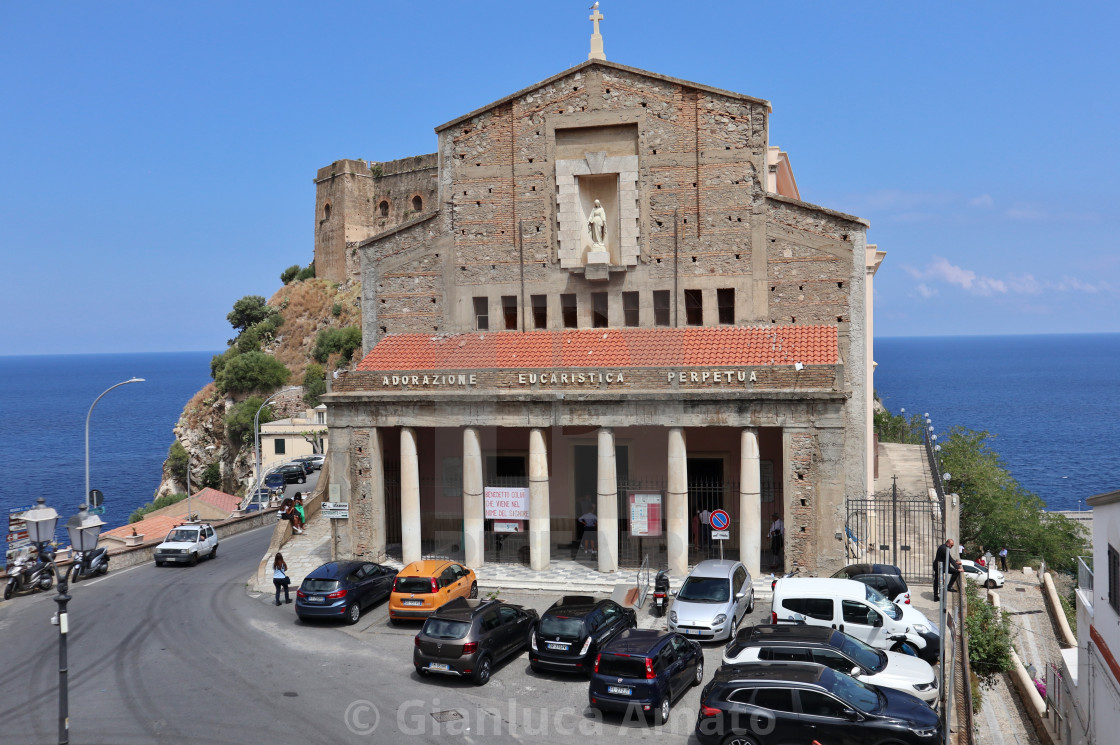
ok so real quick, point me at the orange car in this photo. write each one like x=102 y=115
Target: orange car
x=423 y=586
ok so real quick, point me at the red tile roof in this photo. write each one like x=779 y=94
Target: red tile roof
x=219 y=499
x=150 y=527
x=627 y=347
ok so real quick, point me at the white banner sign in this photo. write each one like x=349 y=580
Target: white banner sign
x=335 y=510
x=507 y=502
x=721 y=535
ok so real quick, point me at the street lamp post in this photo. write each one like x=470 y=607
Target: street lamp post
x=85 y=497
x=84 y=530
x=189 y=456
x=257 y=439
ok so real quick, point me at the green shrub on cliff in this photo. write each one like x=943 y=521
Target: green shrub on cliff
x=988 y=630
x=251 y=371
x=239 y=420
x=156 y=504
x=306 y=273
x=343 y=341
x=177 y=458
x=247 y=311
x=314 y=384
x=289 y=274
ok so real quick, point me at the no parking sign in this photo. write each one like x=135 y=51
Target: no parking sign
x=719 y=520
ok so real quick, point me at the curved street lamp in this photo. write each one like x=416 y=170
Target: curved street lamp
x=257 y=439
x=85 y=497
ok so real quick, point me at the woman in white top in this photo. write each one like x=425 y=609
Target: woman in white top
x=280 y=577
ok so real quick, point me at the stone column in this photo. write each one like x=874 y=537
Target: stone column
x=607 y=510
x=410 y=497
x=540 y=512
x=474 y=508
x=378 y=528
x=750 y=501
x=676 y=508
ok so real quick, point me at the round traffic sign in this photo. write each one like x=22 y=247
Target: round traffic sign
x=719 y=520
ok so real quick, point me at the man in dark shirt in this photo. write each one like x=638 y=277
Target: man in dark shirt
x=942 y=557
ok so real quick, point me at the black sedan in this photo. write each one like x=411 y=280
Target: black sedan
x=293 y=474
x=573 y=630
x=341 y=589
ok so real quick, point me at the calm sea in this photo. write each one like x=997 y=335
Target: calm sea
x=1052 y=401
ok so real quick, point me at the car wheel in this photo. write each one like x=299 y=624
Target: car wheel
x=529 y=636
x=474 y=590
x=661 y=714
x=392 y=621
x=750 y=602
x=303 y=479
x=214 y=552
x=738 y=740
x=421 y=671
x=9 y=590
x=482 y=672
x=990 y=584
x=159 y=563
x=699 y=673
x=194 y=559
x=353 y=613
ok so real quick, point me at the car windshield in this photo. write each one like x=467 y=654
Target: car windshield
x=439 y=628
x=414 y=585
x=561 y=626
x=876 y=598
x=622 y=667
x=860 y=695
x=868 y=658
x=705 y=590
x=319 y=585
x=182 y=536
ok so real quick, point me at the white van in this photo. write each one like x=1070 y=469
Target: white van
x=856 y=609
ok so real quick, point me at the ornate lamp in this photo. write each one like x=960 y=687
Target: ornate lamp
x=84 y=530
x=41 y=522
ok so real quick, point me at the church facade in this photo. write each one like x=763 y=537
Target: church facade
x=602 y=298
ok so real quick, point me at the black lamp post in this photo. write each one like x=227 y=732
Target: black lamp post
x=84 y=530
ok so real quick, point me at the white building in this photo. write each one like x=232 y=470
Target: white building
x=285 y=439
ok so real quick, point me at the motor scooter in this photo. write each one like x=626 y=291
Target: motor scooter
x=660 y=592
x=89 y=563
x=25 y=573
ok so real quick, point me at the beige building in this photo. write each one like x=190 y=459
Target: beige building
x=611 y=299
x=285 y=439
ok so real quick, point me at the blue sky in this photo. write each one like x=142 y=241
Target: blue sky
x=156 y=159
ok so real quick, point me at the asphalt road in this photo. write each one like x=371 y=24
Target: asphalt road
x=187 y=655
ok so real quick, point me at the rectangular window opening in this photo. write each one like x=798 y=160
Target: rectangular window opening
x=568 y=311
x=599 y=310
x=630 y=308
x=725 y=301
x=509 y=311
x=481 y=314
x=694 y=307
x=1114 y=579
x=660 y=307
x=281 y=447
x=540 y=311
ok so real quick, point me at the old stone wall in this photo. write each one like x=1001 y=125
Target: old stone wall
x=801 y=523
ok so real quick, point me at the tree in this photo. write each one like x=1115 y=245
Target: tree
x=251 y=371
x=289 y=274
x=306 y=273
x=988 y=630
x=343 y=341
x=177 y=459
x=314 y=384
x=212 y=476
x=247 y=311
x=315 y=437
x=239 y=420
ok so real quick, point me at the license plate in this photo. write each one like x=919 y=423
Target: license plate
x=694 y=632
x=315 y=598
x=412 y=602
x=439 y=666
x=620 y=690
x=561 y=647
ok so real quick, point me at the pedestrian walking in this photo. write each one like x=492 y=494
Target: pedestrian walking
x=280 y=577
x=944 y=558
x=583 y=506
x=1003 y=558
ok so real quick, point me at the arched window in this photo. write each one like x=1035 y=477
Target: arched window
x=383 y=208
x=417 y=203
x=327 y=211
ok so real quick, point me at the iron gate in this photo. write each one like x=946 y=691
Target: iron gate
x=894 y=528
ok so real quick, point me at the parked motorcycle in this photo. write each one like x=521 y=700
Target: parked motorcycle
x=660 y=592
x=29 y=574
x=89 y=563
x=774 y=580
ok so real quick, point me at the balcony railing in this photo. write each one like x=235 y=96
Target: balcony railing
x=1085 y=574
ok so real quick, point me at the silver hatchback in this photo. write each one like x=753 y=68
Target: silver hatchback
x=713 y=601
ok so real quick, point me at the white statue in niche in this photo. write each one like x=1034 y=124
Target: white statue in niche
x=597 y=226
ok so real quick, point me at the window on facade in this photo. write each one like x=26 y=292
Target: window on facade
x=320 y=417
x=1114 y=579
x=660 y=307
x=327 y=211
x=481 y=314
x=280 y=447
x=540 y=311
x=599 y=310
x=568 y=311
x=509 y=311
x=725 y=301
x=694 y=307
x=630 y=308
x=417 y=203
x=383 y=208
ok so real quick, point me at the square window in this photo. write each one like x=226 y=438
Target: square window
x=568 y=310
x=725 y=301
x=481 y=314
x=280 y=446
x=630 y=308
x=540 y=311
x=694 y=307
x=599 y=310
x=660 y=307
x=509 y=311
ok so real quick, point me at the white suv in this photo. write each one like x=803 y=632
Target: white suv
x=187 y=544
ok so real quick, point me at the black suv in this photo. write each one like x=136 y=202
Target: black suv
x=293 y=474
x=801 y=702
x=467 y=638
x=645 y=670
x=886 y=578
x=574 y=629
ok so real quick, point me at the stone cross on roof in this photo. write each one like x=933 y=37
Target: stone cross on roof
x=596 y=37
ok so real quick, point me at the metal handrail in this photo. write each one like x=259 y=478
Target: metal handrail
x=1085 y=573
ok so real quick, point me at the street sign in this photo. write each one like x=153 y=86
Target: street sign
x=721 y=535
x=97 y=510
x=335 y=510
x=719 y=520
x=96 y=498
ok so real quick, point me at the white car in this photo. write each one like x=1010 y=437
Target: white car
x=986 y=576
x=187 y=544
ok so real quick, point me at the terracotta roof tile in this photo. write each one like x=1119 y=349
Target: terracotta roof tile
x=219 y=499
x=149 y=527
x=627 y=347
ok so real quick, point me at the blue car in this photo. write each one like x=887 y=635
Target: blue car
x=342 y=589
x=645 y=670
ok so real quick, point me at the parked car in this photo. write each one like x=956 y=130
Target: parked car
x=645 y=670
x=425 y=585
x=795 y=702
x=713 y=600
x=837 y=650
x=292 y=473
x=258 y=500
x=275 y=480
x=342 y=589
x=467 y=638
x=986 y=576
x=187 y=544
x=886 y=578
x=305 y=464
x=317 y=461
x=856 y=609
x=573 y=630
x=310 y=463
